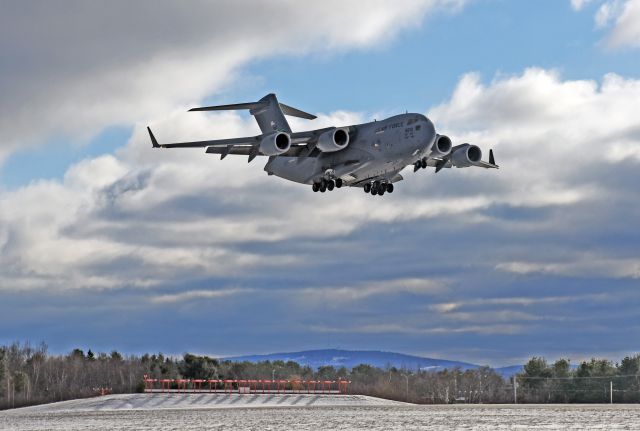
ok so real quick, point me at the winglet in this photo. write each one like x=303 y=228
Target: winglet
x=154 y=142
x=491 y=159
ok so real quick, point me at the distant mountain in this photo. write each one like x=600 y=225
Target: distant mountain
x=352 y=358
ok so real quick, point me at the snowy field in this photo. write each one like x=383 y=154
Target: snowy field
x=307 y=412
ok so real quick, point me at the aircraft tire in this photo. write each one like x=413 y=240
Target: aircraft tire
x=323 y=188
x=315 y=187
x=423 y=164
x=338 y=182
x=374 y=191
x=367 y=188
x=389 y=188
x=330 y=185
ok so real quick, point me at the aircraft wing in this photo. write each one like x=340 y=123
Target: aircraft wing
x=446 y=162
x=251 y=140
x=302 y=144
x=486 y=165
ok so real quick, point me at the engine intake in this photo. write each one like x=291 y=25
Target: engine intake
x=466 y=155
x=333 y=140
x=441 y=147
x=275 y=143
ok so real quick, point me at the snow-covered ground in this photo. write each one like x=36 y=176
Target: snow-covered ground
x=307 y=412
x=160 y=401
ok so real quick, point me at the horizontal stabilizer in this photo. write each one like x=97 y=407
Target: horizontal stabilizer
x=294 y=112
x=257 y=106
x=232 y=107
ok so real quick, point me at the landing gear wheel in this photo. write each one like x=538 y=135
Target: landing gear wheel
x=338 y=182
x=315 y=187
x=323 y=187
x=374 y=190
x=423 y=164
x=330 y=185
x=381 y=189
x=389 y=188
x=367 y=188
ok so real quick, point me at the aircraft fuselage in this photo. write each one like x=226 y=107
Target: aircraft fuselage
x=377 y=150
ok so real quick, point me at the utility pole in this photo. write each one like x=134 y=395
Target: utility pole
x=406 y=398
x=273 y=375
x=611 y=392
x=515 y=390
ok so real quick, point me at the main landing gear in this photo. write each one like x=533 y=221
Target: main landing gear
x=378 y=188
x=324 y=185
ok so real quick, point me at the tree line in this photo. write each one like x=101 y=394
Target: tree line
x=594 y=381
x=30 y=375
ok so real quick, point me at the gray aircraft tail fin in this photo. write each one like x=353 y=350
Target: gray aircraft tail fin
x=269 y=113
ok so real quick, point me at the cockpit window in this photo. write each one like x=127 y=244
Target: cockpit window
x=418 y=127
x=411 y=121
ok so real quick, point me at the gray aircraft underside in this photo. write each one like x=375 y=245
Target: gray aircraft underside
x=369 y=155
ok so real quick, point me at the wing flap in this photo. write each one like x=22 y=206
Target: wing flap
x=242 y=150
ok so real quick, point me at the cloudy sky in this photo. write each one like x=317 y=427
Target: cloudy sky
x=105 y=243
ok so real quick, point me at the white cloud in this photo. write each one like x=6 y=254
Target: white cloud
x=145 y=217
x=190 y=295
x=579 y=4
x=546 y=131
x=448 y=307
x=582 y=266
x=346 y=295
x=395 y=328
x=607 y=12
x=623 y=16
x=84 y=66
x=626 y=30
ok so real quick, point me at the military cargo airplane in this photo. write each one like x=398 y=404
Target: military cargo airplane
x=369 y=155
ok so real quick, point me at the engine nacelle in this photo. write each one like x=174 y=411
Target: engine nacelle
x=466 y=155
x=275 y=143
x=441 y=147
x=333 y=140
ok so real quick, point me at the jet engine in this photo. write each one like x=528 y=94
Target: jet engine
x=275 y=143
x=333 y=140
x=466 y=155
x=441 y=147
